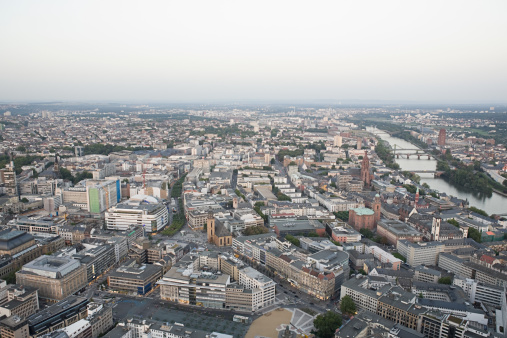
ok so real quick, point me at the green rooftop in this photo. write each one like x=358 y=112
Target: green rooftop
x=363 y=211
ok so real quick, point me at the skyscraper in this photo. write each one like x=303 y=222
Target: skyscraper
x=441 y=137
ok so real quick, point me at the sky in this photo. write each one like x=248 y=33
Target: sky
x=216 y=50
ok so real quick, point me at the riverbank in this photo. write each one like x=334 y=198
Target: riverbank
x=494 y=204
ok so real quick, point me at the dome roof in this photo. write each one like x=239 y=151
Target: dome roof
x=144 y=199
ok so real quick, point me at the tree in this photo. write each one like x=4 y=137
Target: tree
x=474 y=234
x=366 y=233
x=453 y=222
x=343 y=215
x=255 y=230
x=293 y=240
x=445 y=280
x=347 y=305
x=24 y=200
x=326 y=324
x=479 y=211
x=400 y=256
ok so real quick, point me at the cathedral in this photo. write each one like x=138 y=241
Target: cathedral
x=366 y=174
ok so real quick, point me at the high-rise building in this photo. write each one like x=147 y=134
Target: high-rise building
x=9 y=179
x=441 y=137
x=359 y=143
x=338 y=141
x=102 y=194
x=79 y=150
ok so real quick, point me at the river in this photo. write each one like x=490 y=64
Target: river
x=496 y=204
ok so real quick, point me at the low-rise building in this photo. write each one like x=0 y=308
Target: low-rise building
x=395 y=230
x=142 y=210
x=134 y=278
x=425 y=274
x=54 y=277
x=58 y=316
x=19 y=301
x=425 y=253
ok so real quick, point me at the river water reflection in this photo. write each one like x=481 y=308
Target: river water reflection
x=494 y=204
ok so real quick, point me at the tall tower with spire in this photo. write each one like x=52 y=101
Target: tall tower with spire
x=365 y=170
x=416 y=197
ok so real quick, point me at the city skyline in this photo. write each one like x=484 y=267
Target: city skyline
x=217 y=52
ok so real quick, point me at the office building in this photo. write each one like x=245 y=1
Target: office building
x=17 y=300
x=102 y=194
x=183 y=285
x=424 y=274
x=14 y=327
x=39 y=225
x=395 y=230
x=423 y=253
x=254 y=280
x=54 y=277
x=142 y=210
x=96 y=259
x=58 y=316
x=134 y=278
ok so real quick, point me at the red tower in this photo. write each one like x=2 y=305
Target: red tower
x=365 y=170
x=441 y=137
x=376 y=208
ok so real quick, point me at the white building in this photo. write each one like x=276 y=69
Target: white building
x=143 y=210
x=253 y=279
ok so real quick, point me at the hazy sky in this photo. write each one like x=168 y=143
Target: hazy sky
x=445 y=50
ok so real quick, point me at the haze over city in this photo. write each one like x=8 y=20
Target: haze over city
x=431 y=51
x=232 y=169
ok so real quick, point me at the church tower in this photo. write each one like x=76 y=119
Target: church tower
x=435 y=228
x=56 y=166
x=416 y=197
x=376 y=208
x=365 y=170
x=210 y=224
